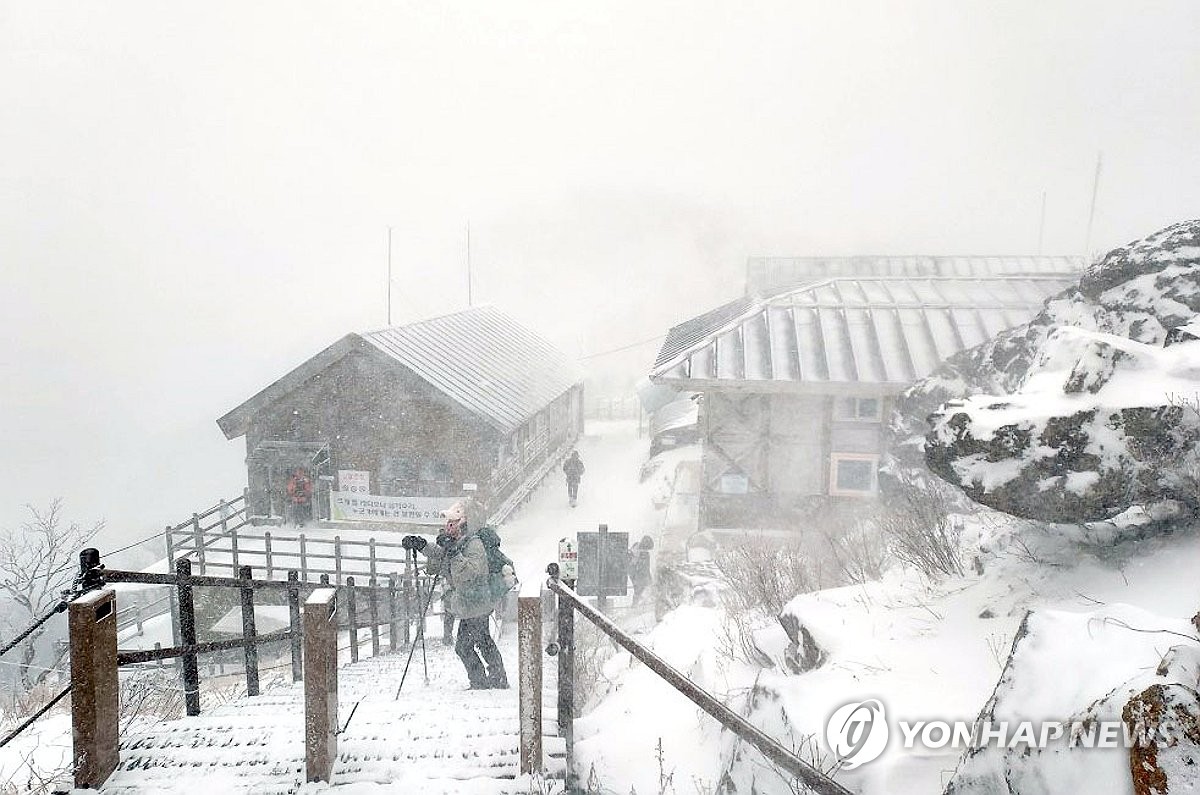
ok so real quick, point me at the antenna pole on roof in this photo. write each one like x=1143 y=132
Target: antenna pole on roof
x=469 y=301
x=1042 y=223
x=1087 y=246
x=389 y=280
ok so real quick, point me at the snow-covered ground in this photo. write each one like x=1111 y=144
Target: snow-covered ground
x=926 y=649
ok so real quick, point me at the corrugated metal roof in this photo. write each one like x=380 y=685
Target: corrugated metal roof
x=687 y=334
x=484 y=360
x=767 y=275
x=857 y=330
x=481 y=358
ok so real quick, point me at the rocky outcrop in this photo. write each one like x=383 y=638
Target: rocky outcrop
x=1164 y=721
x=1080 y=414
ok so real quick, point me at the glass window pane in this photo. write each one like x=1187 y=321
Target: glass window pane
x=868 y=408
x=855 y=475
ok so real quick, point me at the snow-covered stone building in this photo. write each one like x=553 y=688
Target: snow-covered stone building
x=468 y=404
x=798 y=375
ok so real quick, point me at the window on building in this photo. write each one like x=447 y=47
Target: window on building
x=858 y=409
x=853 y=475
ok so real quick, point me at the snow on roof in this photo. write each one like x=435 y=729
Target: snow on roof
x=765 y=275
x=877 y=330
x=682 y=413
x=479 y=357
x=483 y=359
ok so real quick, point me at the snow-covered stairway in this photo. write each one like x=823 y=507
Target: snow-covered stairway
x=437 y=738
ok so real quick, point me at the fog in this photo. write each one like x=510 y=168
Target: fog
x=194 y=199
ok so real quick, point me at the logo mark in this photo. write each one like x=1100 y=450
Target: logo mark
x=857 y=732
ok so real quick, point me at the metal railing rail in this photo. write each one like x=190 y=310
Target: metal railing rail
x=784 y=758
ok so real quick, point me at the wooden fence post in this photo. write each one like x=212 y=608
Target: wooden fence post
x=529 y=674
x=374 y=608
x=233 y=549
x=293 y=597
x=249 y=631
x=95 y=690
x=187 y=635
x=393 y=623
x=352 y=618
x=198 y=535
x=320 y=684
x=337 y=559
x=566 y=684
x=267 y=551
x=303 y=560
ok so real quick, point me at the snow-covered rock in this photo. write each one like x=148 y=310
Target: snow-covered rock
x=1080 y=414
x=1084 y=670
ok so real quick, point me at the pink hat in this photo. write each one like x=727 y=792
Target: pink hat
x=455 y=513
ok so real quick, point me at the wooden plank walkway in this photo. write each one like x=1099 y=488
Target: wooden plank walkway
x=438 y=737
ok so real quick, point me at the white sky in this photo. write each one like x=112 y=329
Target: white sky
x=194 y=198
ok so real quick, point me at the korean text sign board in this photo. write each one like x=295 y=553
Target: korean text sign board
x=373 y=508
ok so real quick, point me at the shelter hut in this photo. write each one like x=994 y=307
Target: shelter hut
x=392 y=426
x=799 y=375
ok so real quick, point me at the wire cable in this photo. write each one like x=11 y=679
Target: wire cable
x=29 y=721
x=623 y=347
x=58 y=608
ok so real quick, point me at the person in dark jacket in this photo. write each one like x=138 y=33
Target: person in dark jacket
x=639 y=567
x=573 y=469
x=459 y=556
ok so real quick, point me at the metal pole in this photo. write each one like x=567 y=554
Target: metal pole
x=389 y=280
x=1087 y=246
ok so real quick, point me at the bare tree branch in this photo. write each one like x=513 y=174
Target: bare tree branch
x=37 y=562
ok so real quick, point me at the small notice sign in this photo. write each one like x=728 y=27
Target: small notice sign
x=568 y=559
x=354 y=481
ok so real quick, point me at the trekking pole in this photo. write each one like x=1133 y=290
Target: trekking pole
x=420 y=634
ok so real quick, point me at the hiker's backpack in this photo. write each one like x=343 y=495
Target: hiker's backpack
x=502 y=576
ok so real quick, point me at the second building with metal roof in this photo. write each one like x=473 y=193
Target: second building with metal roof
x=798 y=375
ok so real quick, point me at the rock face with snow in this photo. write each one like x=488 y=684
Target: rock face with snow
x=1087 y=672
x=1081 y=413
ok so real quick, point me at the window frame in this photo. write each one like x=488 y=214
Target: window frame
x=836 y=458
x=856 y=416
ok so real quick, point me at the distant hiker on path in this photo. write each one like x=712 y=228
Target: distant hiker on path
x=459 y=556
x=639 y=567
x=573 y=469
